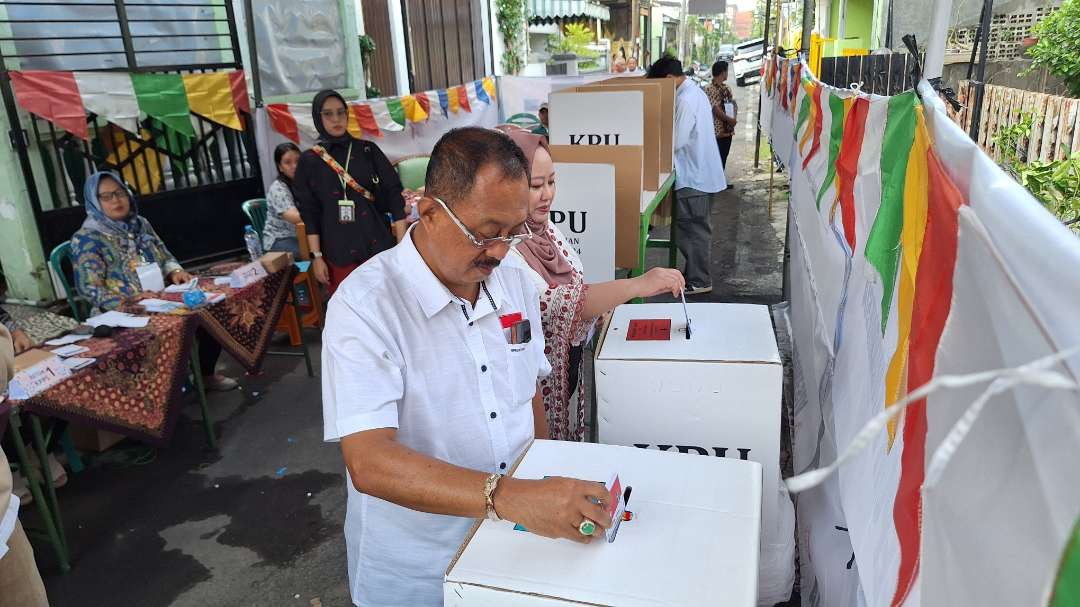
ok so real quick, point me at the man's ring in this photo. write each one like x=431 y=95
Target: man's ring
x=587 y=527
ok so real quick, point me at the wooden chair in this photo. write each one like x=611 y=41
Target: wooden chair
x=312 y=312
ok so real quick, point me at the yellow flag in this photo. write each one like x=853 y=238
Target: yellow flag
x=210 y=96
x=414 y=112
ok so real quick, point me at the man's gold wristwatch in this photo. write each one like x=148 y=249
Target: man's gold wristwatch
x=490 y=485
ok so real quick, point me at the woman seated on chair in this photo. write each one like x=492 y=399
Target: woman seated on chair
x=279 y=233
x=116 y=255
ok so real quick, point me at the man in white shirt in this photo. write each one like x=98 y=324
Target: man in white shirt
x=699 y=173
x=429 y=381
x=20 y=582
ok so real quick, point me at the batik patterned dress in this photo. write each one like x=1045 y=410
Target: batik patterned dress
x=105 y=264
x=562 y=314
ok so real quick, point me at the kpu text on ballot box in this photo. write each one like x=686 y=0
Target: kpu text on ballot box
x=691 y=539
x=716 y=394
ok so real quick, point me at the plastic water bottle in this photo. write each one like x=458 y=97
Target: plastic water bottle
x=251 y=239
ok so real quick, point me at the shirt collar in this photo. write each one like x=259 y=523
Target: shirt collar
x=432 y=294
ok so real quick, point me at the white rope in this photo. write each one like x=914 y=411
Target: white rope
x=1033 y=373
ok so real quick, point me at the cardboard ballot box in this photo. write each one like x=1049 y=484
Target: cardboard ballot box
x=692 y=540
x=715 y=394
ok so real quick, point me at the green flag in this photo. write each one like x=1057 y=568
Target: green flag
x=883 y=243
x=397 y=111
x=836 y=134
x=162 y=96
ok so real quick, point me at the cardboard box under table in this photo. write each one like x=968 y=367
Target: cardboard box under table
x=715 y=394
x=693 y=538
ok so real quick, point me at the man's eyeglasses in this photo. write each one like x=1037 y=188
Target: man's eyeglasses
x=113 y=195
x=484 y=243
x=331 y=114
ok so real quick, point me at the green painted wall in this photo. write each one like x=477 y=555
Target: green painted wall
x=860 y=20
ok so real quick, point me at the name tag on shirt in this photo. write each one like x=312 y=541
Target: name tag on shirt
x=150 y=277
x=346 y=211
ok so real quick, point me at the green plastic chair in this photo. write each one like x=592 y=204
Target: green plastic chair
x=525 y=120
x=255 y=209
x=412 y=171
x=59 y=255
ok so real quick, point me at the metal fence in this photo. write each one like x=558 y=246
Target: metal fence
x=887 y=74
x=218 y=166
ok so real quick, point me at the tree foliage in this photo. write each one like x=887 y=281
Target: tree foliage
x=1056 y=184
x=1058 y=48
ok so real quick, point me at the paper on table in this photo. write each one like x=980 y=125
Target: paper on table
x=75 y=363
x=187 y=286
x=113 y=318
x=70 y=350
x=221 y=281
x=214 y=297
x=70 y=338
x=159 y=306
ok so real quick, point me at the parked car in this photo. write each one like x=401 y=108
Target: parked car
x=747 y=62
x=727 y=53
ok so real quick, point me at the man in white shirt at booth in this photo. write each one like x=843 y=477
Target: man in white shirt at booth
x=699 y=173
x=429 y=381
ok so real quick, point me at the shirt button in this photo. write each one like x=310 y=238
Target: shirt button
x=502 y=466
x=483 y=368
x=494 y=415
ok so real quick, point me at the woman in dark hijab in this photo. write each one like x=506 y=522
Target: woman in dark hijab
x=348 y=194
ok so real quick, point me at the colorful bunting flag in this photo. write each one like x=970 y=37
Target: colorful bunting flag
x=366 y=119
x=489 y=87
x=282 y=121
x=424 y=99
x=111 y=96
x=481 y=93
x=411 y=110
x=444 y=101
x=163 y=96
x=847 y=165
x=210 y=95
x=454 y=100
x=836 y=134
x=883 y=242
x=238 y=84
x=463 y=98
x=54 y=96
x=380 y=108
x=396 y=110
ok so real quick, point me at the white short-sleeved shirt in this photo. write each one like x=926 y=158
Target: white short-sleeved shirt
x=401 y=351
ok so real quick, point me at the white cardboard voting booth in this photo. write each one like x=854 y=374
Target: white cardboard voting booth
x=585 y=212
x=693 y=539
x=715 y=394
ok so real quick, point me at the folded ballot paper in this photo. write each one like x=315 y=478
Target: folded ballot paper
x=118 y=319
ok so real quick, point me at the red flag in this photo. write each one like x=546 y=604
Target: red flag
x=930 y=310
x=366 y=119
x=424 y=102
x=54 y=96
x=239 y=91
x=847 y=165
x=282 y=121
x=818 y=124
x=463 y=99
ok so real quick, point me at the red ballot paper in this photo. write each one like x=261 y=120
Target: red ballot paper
x=653 y=329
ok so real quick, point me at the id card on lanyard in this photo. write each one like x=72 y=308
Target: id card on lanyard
x=150 y=277
x=346 y=208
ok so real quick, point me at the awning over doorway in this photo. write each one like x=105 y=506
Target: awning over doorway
x=566 y=9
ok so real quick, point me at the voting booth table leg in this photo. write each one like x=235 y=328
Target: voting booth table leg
x=47 y=504
x=200 y=390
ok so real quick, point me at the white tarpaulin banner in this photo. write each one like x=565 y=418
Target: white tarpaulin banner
x=912 y=261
